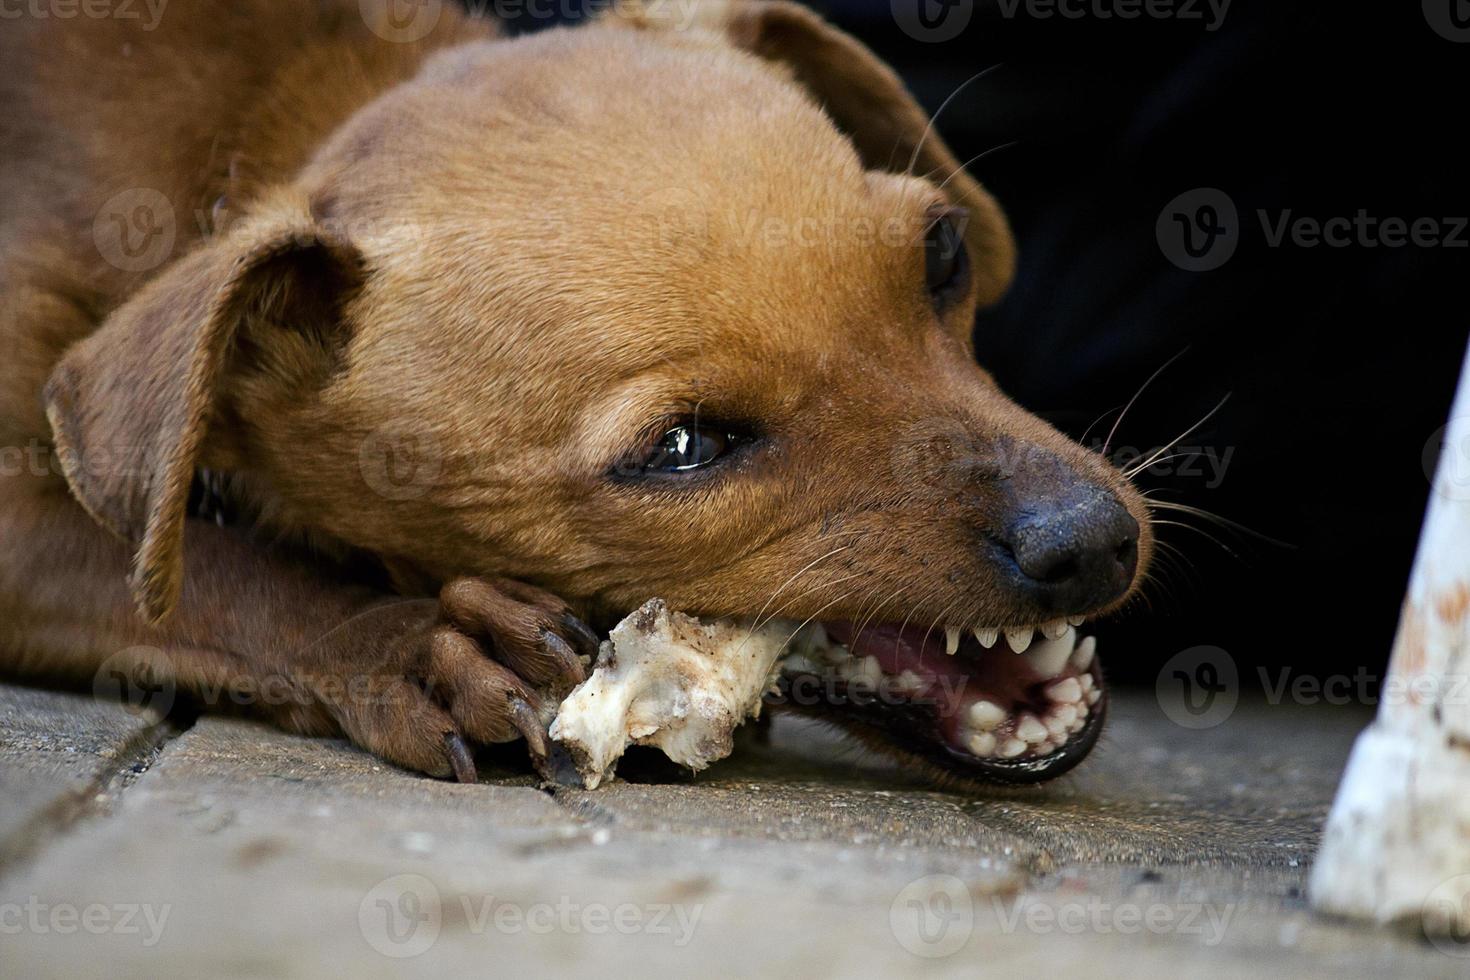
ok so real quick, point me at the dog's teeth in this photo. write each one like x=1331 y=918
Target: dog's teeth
x=1082 y=656
x=986 y=637
x=1066 y=714
x=864 y=672
x=1065 y=691
x=1019 y=639
x=1092 y=696
x=1030 y=729
x=1049 y=657
x=1011 y=748
x=951 y=639
x=981 y=744
x=1054 y=629
x=909 y=683
x=985 y=715
x=1056 y=726
x=1086 y=681
x=1076 y=620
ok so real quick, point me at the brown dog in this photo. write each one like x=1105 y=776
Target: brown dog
x=676 y=304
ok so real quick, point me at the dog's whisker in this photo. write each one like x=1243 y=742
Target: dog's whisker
x=808 y=620
x=897 y=593
x=929 y=128
x=1088 y=431
x=1137 y=468
x=1197 y=530
x=1223 y=522
x=974 y=160
x=820 y=586
x=1141 y=388
x=1183 y=435
x=796 y=575
x=915 y=608
x=936 y=621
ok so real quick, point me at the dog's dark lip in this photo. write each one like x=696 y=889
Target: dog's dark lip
x=932 y=729
x=911 y=733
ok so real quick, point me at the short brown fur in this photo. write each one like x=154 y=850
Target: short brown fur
x=516 y=256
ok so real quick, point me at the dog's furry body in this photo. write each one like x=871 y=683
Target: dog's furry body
x=523 y=256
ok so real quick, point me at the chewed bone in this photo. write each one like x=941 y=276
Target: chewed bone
x=668 y=680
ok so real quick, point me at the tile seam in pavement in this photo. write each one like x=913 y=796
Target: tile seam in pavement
x=133 y=758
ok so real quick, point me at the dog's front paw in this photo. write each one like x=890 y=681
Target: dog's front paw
x=482 y=666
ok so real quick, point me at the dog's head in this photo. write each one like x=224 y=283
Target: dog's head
x=647 y=308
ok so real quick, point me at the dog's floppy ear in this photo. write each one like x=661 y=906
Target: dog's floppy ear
x=130 y=405
x=862 y=95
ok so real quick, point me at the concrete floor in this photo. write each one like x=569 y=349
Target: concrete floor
x=130 y=848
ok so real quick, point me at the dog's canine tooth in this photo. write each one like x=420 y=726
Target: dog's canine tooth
x=1011 y=748
x=985 y=715
x=1019 y=639
x=1065 y=691
x=986 y=636
x=1086 y=681
x=1030 y=729
x=1054 y=628
x=1082 y=656
x=981 y=744
x=1049 y=657
x=951 y=639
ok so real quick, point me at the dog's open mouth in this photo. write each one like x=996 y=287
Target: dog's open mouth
x=1014 y=705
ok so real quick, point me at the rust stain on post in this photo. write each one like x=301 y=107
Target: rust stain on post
x=1453 y=603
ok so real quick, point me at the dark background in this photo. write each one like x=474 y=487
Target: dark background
x=1340 y=362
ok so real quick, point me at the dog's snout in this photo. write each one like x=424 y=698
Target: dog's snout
x=1075 y=554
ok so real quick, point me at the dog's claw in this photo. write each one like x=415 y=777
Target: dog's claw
x=528 y=723
x=585 y=640
x=559 y=649
x=460 y=759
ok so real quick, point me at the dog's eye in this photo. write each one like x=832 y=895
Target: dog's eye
x=686 y=447
x=946 y=263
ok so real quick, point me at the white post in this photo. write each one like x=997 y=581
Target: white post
x=1397 y=842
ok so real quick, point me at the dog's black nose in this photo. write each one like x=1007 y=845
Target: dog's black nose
x=1076 y=552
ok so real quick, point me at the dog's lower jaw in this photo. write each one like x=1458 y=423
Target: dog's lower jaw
x=961 y=712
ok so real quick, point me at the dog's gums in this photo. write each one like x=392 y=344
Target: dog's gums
x=959 y=699
x=683 y=685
